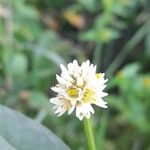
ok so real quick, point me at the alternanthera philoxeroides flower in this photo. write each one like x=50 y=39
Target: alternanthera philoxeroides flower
x=79 y=87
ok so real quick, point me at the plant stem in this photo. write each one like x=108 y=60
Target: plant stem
x=126 y=50
x=41 y=115
x=89 y=134
x=97 y=53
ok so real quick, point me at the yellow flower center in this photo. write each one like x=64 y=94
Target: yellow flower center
x=73 y=92
x=88 y=96
x=98 y=75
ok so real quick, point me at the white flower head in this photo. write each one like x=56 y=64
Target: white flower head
x=79 y=87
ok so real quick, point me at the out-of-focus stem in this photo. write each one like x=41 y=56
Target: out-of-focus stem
x=97 y=53
x=41 y=115
x=126 y=50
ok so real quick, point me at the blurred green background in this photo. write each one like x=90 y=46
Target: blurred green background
x=37 y=35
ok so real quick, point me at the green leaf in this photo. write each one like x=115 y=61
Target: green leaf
x=18 y=65
x=50 y=55
x=15 y=65
x=38 y=100
x=89 y=4
x=22 y=133
x=89 y=35
x=104 y=35
x=131 y=70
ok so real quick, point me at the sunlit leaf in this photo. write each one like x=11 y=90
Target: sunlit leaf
x=76 y=20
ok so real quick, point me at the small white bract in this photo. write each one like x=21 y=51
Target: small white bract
x=78 y=88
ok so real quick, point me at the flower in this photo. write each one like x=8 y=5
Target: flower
x=79 y=87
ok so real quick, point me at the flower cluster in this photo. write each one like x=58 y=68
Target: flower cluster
x=78 y=88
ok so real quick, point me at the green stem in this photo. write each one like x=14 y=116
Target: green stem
x=126 y=50
x=97 y=53
x=41 y=115
x=89 y=134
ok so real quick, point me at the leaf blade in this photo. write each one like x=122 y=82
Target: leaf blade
x=25 y=134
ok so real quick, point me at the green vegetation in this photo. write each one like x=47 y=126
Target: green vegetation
x=36 y=36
